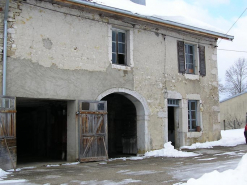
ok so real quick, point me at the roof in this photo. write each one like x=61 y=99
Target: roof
x=232 y=97
x=148 y=19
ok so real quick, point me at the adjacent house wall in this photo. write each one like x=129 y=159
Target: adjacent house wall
x=63 y=53
x=233 y=112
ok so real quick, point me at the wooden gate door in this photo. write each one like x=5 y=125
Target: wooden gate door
x=7 y=133
x=93 y=131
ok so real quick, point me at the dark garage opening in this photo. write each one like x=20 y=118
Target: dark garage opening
x=41 y=130
x=171 y=128
x=122 y=127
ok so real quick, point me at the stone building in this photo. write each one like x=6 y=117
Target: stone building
x=66 y=58
x=233 y=112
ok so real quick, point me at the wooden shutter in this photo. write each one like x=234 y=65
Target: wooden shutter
x=181 y=58
x=202 y=60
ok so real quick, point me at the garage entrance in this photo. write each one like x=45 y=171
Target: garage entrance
x=122 y=126
x=41 y=130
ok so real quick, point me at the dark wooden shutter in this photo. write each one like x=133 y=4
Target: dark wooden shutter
x=181 y=58
x=202 y=60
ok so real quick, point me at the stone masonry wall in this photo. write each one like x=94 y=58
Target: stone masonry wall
x=2 y=6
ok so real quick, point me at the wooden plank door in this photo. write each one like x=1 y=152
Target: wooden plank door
x=93 y=131
x=8 y=148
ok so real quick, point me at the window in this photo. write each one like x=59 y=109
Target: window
x=119 y=47
x=188 y=58
x=192 y=115
x=173 y=102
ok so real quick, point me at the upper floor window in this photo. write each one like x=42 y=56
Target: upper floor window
x=188 y=59
x=119 y=55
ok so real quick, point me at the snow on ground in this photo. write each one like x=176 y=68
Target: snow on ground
x=229 y=138
x=154 y=11
x=169 y=151
x=107 y=182
x=3 y=174
x=228 y=177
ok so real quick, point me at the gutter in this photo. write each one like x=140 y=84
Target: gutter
x=6 y=12
x=148 y=19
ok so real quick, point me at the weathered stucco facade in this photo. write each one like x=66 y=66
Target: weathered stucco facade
x=233 y=112
x=60 y=53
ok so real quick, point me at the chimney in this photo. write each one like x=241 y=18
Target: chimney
x=141 y=2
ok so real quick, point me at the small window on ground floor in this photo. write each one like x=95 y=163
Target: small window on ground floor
x=192 y=115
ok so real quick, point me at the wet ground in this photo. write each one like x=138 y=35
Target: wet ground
x=159 y=170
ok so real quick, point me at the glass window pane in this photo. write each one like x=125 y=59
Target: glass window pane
x=193 y=105
x=193 y=115
x=114 y=58
x=190 y=49
x=121 y=37
x=121 y=48
x=194 y=124
x=114 y=49
x=113 y=35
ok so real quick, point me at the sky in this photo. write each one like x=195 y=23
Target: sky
x=219 y=14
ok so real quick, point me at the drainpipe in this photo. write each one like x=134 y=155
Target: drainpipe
x=5 y=45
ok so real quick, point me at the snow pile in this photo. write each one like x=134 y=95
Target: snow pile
x=228 y=177
x=229 y=138
x=3 y=173
x=169 y=151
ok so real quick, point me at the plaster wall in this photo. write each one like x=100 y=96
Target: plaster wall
x=62 y=53
x=233 y=112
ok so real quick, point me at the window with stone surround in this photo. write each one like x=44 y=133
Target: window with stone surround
x=119 y=47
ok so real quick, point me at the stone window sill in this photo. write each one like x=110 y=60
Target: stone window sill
x=191 y=76
x=115 y=66
x=194 y=134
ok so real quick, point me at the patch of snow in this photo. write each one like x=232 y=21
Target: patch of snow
x=228 y=177
x=151 y=11
x=3 y=173
x=136 y=158
x=169 y=151
x=103 y=163
x=207 y=159
x=229 y=138
x=75 y=163
x=13 y=181
x=108 y=182
x=144 y=172
x=228 y=153
x=52 y=165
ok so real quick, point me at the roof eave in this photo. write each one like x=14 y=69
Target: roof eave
x=148 y=19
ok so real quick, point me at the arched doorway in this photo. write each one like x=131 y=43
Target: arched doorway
x=122 y=126
x=142 y=115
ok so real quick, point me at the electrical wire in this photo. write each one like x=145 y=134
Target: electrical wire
x=234 y=23
x=232 y=50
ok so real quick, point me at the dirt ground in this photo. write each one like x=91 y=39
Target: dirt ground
x=155 y=170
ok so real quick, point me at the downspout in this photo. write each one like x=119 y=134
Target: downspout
x=5 y=45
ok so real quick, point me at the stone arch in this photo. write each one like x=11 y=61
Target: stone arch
x=142 y=111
